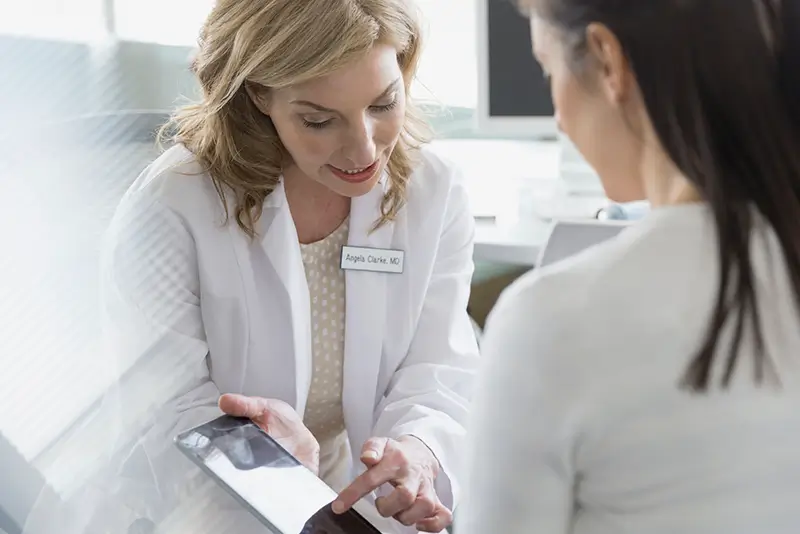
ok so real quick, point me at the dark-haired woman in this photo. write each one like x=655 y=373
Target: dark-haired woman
x=651 y=385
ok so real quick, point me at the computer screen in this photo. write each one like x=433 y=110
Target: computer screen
x=514 y=97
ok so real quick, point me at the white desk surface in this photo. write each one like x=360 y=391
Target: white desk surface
x=515 y=192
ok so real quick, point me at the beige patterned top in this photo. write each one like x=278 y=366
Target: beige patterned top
x=326 y=285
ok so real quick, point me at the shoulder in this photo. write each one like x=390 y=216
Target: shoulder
x=437 y=183
x=594 y=300
x=171 y=205
x=436 y=174
x=176 y=181
x=553 y=315
x=432 y=163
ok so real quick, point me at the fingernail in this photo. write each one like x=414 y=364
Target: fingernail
x=337 y=507
x=371 y=455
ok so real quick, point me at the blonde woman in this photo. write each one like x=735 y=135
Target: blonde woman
x=299 y=258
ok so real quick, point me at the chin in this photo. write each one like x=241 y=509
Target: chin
x=355 y=190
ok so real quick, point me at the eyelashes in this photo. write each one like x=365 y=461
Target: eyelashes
x=387 y=107
x=315 y=125
x=378 y=109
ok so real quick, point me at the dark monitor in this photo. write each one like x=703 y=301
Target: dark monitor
x=513 y=97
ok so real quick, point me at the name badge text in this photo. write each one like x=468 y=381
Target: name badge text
x=372 y=259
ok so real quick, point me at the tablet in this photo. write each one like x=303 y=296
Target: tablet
x=265 y=479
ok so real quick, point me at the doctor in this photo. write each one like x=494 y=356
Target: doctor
x=299 y=258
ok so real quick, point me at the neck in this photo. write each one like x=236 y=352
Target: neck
x=316 y=210
x=664 y=183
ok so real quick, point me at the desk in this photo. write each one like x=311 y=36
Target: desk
x=515 y=192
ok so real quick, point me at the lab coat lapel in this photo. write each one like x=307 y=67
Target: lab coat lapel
x=365 y=315
x=291 y=382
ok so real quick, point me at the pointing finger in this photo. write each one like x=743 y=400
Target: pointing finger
x=362 y=486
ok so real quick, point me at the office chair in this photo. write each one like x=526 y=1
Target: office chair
x=569 y=237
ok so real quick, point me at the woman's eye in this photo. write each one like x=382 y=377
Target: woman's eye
x=318 y=125
x=385 y=107
x=315 y=125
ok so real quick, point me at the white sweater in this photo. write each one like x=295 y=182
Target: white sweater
x=580 y=426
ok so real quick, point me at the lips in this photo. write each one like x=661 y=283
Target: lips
x=355 y=176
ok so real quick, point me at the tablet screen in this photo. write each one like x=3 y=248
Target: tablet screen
x=274 y=485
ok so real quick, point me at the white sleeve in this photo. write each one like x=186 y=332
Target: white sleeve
x=520 y=468
x=430 y=394
x=154 y=330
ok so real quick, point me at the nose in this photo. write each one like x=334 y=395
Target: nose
x=359 y=147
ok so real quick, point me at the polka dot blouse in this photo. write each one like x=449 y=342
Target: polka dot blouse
x=326 y=286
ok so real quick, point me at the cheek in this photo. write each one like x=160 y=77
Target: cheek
x=564 y=102
x=389 y=127
x=305 y=145
x=598 y=133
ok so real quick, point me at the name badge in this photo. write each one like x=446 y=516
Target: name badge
x=376 y=260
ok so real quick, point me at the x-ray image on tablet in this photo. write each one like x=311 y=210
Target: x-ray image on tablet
x=268 y=481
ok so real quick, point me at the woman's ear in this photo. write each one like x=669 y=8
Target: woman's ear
x=613 y=71
x=259 y=95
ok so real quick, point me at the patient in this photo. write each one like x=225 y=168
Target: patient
x=651 y=384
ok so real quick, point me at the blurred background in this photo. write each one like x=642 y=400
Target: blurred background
x=62 y=58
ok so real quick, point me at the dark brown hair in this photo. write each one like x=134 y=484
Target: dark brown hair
x=721 y=83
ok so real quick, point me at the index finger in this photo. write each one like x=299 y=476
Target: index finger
x=370 y=480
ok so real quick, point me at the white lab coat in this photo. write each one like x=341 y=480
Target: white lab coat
x=195 y=309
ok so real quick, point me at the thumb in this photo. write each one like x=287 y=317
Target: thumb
x=372 y=451
x=241 y=406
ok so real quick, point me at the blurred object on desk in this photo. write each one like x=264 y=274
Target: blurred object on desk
x=511 y=181
x=496 y=170
x=630 y=211
x=515 y=235
x=569 y=237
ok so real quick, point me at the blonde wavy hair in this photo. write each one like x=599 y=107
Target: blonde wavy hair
x=276 y=44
